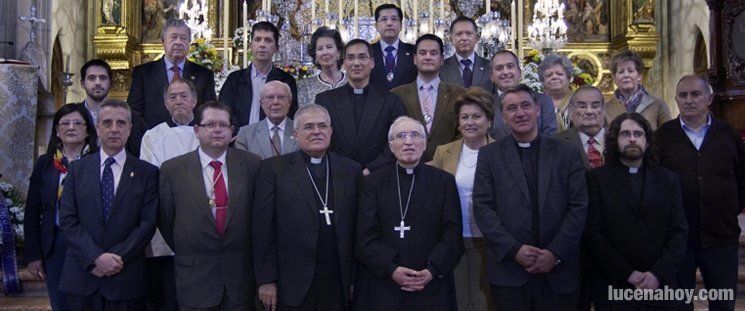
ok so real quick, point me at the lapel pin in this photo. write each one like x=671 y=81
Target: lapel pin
x=481 y=68
x=192 y=77
x=131 y=174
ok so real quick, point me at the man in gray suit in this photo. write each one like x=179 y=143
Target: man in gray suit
x=530 y=202
x=273 y=135
x=205 y=216
x=506 y=74
x=588 y=124
x=466 y=68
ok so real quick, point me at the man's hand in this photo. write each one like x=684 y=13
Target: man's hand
x=109 y=264
x=649 y=281
x=36 y=269
x=408 y=279
x=544 y=262
x=635 y=278
x=526 y=255
x=268 y=296
x=423 y=278
x=97 y=272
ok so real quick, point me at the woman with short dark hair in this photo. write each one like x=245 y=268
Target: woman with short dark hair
x=325 y=48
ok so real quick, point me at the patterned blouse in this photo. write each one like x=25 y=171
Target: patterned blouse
x=308 y=88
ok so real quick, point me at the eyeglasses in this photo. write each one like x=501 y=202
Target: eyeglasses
x=385 y=19
x=274 y=97
x=310 y=127
x=628 y=134
x=75 y=124
x=414 y=135
x=213 y=126
x=361 y=57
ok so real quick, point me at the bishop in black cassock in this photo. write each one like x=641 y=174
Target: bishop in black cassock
x=408 y=230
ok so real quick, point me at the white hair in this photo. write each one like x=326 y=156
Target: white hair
x=403 y=119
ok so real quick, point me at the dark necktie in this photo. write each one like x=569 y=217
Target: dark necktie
x=276 y=141
x=176 y=74
x=107 y=188
x=390 y=59
x=220 y=197
x=467 y=73
x=593 y=155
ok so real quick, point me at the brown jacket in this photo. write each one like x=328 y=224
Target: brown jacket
x=652 y=108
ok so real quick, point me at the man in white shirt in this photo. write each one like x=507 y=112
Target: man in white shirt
x=466 y=68
x=273 y=135
x=167 y=140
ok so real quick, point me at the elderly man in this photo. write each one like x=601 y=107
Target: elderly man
x=588 y=132
x=530 y=202
x=272 y=136
x=305 y=261
x=709 y=157
x=150 y=79
x=394 y=59
x=428 y=99
x=206 y=198
x=167 y=140
x=408 y=230
x=466 y=68
x=506 y=74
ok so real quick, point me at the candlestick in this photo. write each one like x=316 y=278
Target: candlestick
x=442 y=10
x=341 y=12
x=513 y=24
x=487 y=6
x=415 y=14
x=312 y=13
x=403 y=10
x=431 y=14
x=225 y=26
x=67 y=63
x=326 y=10
x=356 y=20
x=245 y=34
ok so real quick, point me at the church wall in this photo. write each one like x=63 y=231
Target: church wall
x=8 y=19
x=69 y=24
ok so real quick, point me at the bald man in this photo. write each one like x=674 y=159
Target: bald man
x=273 y=135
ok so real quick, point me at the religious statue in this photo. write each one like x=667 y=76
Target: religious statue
x=155 y=14
x=645 y=14
x=111 y=10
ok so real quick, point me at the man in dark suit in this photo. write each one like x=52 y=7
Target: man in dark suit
x=304 y=261
x=530 y=202
x=361 y=112
x=242 y=89
x=107 y=215
x=428 y=99
x=466 y=68
x=394 y=60
x=709 y=157
x=588 y=124
x=506 y=74
x=205 y=216
x=150 y=80
x=636 y=229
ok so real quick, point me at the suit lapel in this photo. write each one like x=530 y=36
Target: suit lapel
x=125 y=183
x=370 y=112
x=400 y=55
x=93 y=177
x=339 y=182
x=343 y=107
x=480 y=71
x=621 y=183
x=412 y=100
x=160 y=74
x=236 y=181
x=545 y=165
x=512 y=159
x=195 y=180
x=299 y=174
x=262 y=136
x=442 y=104
x=289 y=143
x=452 y=155
x=649 y=192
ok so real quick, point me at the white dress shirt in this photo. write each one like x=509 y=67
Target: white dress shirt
x=208 y=171
x=169 y=72
x=599 y=140
x=258 y=79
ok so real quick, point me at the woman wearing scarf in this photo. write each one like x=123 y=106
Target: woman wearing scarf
x=630 y=96
x=73 y=136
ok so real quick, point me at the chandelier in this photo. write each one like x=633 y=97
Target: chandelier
x=496 y=32
x=548 y=32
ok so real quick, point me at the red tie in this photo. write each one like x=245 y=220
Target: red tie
x=176 y=75
x=593 y=155
x=221 y=197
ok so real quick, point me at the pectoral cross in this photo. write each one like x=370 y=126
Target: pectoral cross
x=326 y=212
x=402 y=229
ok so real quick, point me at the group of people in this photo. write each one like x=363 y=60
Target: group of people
x=405 y=181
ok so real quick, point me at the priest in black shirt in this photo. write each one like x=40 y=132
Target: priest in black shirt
x=304 y=217
x=408 y=230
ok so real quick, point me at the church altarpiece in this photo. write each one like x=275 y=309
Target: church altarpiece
x=128 y=30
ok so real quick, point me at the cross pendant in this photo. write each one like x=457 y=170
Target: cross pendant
x=326 y=212
x=402 y=229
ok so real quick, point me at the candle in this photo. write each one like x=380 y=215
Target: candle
x=312 y=13
x=513 y=23
x=245 y=34
x=356 y=20
x=431 y=13
x=403 y=10
x=442 y=10
x=416 y=10
x=225 y=35
x=67 y=63
x=341 y=12
x=487 y=6
x=326 y=10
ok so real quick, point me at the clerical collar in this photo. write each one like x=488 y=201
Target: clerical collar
x=523 y=145
x=357 y=91
x=173 y=123
x=313 y=160
x=633 y=170
x=529 y=144
x=408 y=171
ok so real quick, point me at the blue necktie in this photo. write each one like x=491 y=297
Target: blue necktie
x=390 y=59
x=107 y=188
x=467 y=73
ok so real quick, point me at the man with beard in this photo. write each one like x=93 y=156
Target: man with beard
x=588 y=132
x=466 y=68
x=361 y=111
x=636 y=230
x=530 y=202
x=709 y=156
x=394 y=59
x=408 y=230
x=150 y=79
x=428 y=99
x=506 y=74
x=305 y=261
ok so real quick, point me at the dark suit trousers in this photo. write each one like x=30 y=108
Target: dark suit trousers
x=536 y=295
x=53 y=269
x=225 y=305
x=324 y=295
x=97 y=302
x=718 y=267
x=161 y=284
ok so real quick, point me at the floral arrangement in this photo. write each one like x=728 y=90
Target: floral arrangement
x=298 y=71
x=16 y=206
x=204 y=53
x=532 y=80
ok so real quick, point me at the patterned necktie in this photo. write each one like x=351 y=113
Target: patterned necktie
x=220 y=193
x=593 y=155
x=176 y=74
x=276 y=141
x=107 y=188
x=467 y=73
x=427 y=108
x=390 y=59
